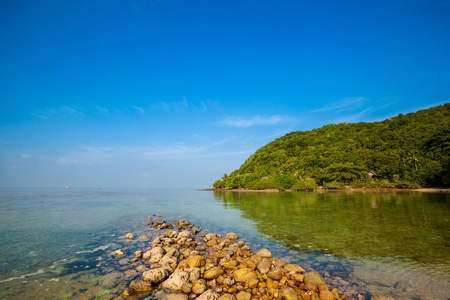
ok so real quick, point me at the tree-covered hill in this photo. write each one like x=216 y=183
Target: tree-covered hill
x=409 y=150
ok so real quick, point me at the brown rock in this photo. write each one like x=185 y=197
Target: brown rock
x=129 y=236
x=298 y=277
x=232 y=236
x=156 y=275
x=326 y=295
x=227 y=297
x=313 y=278
x=379 y=296
x=196 y=261
x=199 y=287
x=222 y=254
x=243 y=295
x=264 y=253
x=119 y=253
x=293 y=268
x=310 y=287
x=287 y=293
x=138 y=254
x=244 y=274
x=275 y=274
x=208 y=295
x=252 y=283
x=264 y=265
x=141 y=268
x=176 y=281
x=136 y=287
x=213 y=273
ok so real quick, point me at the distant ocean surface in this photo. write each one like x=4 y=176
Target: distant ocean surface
x=58 y=243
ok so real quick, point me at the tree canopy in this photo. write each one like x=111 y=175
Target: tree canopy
x=409 y=150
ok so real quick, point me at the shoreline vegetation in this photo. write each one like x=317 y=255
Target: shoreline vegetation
x=180 y=263
x=321 y=190
x=409 y=151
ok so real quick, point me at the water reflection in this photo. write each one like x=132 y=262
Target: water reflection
x=389 y=227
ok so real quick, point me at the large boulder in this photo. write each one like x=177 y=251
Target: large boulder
x=176 y=281
x=157 y=275
x=313 y=278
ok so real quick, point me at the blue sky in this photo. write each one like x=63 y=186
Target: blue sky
x=135 y=93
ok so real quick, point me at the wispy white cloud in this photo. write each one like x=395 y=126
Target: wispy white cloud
x=186 y=106
x=257 y=120
x=60 y=112
x=138 y=109
x=102 y=111
x=344 y=105
x=352 y=118
x=25 y=156
x=89 y=155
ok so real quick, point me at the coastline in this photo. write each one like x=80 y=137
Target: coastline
x=321 y=190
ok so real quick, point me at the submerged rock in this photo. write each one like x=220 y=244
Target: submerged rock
x=129 y=236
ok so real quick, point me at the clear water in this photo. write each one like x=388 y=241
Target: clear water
x=58 y=244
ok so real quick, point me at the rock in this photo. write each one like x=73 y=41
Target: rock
x=232 y=236
x=287 y=293
x=177 y=296
x=298 y=277
x=379 y=296
x=227 y=297
x=184 y=234
x=196 y=230
x=143 y=237
x=111 y=280
x=119 y=253
x=196 y=261
x=176 y=281
x=138 y=254
x=141 y=268
x=208 y=295
x=194 y=274
x=213 y=273
x=156 y=275
x=264 y=253
x=313 y=278
x=139 y=286
x=199 y=287
x=276 y=262
x=327 y=295
x=243 y=295
x=264 y=265
x=157 y=252
x=171 y=257
x=244 y=274
x=222 y=254
x=275 y=274
x=129 y=236
x=292 y=268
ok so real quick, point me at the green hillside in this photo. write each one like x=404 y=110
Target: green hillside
x=409 y=150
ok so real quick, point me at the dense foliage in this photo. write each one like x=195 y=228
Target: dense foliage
x=409 y=150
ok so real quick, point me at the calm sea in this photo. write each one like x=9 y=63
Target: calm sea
x=58 y=243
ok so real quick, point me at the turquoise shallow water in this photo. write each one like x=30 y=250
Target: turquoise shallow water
x=57 y=244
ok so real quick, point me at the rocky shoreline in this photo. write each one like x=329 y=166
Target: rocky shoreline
x=179 y=263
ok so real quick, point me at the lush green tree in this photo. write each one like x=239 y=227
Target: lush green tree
x=407 y=150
